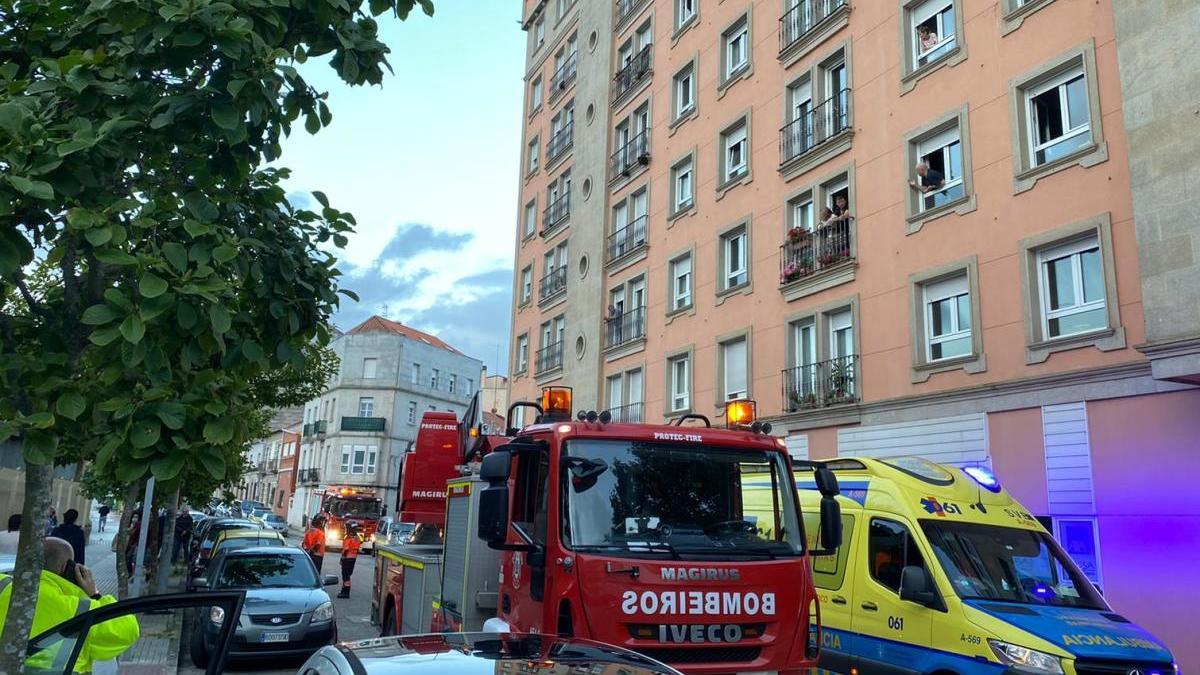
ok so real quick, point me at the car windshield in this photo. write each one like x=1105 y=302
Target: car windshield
x=276 y=570
x=657 y=498
x=274 y=518
x=1009 y=564
x=354 y=508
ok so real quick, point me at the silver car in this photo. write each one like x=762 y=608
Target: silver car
x=276 y=522
x=286 y=613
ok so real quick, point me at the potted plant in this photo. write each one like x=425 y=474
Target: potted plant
x=797 y=235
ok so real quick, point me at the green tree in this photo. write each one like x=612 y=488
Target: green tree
x=133 y=141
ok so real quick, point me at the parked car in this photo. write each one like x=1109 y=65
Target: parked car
x=388 y=531
x=276 y=522
x=246 y=538
x=480 y=653
x=204 y=540
x=287 y=611
x=248 y=506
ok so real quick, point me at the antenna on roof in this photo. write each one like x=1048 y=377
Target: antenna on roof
x=383 y=310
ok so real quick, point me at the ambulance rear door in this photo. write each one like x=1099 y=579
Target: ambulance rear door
x=891 y=635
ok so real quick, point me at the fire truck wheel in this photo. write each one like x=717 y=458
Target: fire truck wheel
x=389 y=623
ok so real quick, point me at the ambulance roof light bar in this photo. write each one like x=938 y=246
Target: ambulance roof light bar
x=742 y=414
x=983 y=476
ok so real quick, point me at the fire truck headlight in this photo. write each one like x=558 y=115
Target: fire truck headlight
x=1024 y=659
x=332 y=536
x=323 y=612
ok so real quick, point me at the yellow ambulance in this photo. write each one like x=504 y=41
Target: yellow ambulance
x=941 y=571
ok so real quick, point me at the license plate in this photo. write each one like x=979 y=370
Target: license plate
x=273 y=637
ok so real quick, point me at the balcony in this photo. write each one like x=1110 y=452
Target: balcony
x=625 y=10
x=556 y=213
x=315 y=428
x=634 y=153
x=552 y=284
x=815 y=128
x=625 y=328
x=627 y=414
x=800 y=22
x=363 y=423
x=564 y=75
x=626 y=240
x=805 y=256
x=822 y=384
x=632 y=74
x=560 y=142
x=309 y=476
x=548 y=358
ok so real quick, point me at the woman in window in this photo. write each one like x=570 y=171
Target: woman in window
x=927 y=37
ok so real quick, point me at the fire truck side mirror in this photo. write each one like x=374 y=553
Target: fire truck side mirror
x=831 y=526
x=496 y=467
x=493 y=499
x=827 y=483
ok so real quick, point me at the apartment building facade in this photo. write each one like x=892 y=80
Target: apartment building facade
x=263 y=480
x=356 y=432
x=721 y=199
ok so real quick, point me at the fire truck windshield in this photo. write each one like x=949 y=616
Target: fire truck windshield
x=354 y=508
x=661 y=499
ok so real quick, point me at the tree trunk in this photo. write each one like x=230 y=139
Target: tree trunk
x=122 y=539
x=168 y=541
x=27 y=570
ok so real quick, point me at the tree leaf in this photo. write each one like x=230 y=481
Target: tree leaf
x=39 y=447
x=253 y=352
x=130 y=469
x=99 y=236
x=225 y=116
x=70 y=405
x=74 y=145
x=216 y=408
x=133 y=329
x=145 y=432
x=185 y=315
x=152 y=285
x=167 y=467
x=98 y=315
x=37 y=189
x=320 y=197
x=106 y=452
x=7 y=431
x=112 y=256
x=427 y=7
x=220 y=431
x=221 y=321
x=214 y=464
x=104 y=336
x=40 y=420
x=176 y=254
x=171 y=413
x=224 y=253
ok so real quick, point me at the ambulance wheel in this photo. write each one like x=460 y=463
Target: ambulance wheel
x=198 y=650
x=389 y=622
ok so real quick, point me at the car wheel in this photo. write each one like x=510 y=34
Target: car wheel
x=389 y=622
x=198 y=650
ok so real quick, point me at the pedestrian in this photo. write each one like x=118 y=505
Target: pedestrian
x=350 y=546
x=135 y=533
x=183 y=532
x=72 y=534
x=314 y=541
x=66 y=590
x=51 y=521
x=9 y=539
x=103 y=516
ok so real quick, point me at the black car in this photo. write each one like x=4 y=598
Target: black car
x=204 y=542
x=454 y=653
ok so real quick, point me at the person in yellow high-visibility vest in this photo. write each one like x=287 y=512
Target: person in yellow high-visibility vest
x=67 y=590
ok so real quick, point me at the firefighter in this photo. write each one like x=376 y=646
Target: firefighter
x=314 y=540
x=350 y=546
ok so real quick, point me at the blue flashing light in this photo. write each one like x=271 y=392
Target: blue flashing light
x=983 y=476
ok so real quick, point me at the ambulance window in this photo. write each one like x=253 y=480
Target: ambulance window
x=533 y=477
x=829 y=570
x=890 y=549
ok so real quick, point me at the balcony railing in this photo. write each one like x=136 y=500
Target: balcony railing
x=556 y=212
x=627 y=239
x=626 y=8
x=560 y=142
x=363 y=423
x=309 y=476
x=821 y=384
x=564 y=75
x=548 y=358
x=625 y=327
x=636 y=151
x=814 y=127
x=633 y=73
x=807 y=253
x=315 y=428
x=552 y=284
x=801 y=19
x=630 y=413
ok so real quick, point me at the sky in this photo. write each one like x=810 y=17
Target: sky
x=428 y=165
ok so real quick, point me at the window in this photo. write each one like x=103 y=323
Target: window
x=535 y=94
x=531 y=217
x=736 y=150
x=526 y=284
x=736 y=42
x=532 y=154
x=932 y=31
x=366 y=407
x=433 y=379
x=682 y=186
x=412 y=412
x=734 y=362
x=453 y=382
x=947 y=318
x=539 y=32
x=416 y=373
x=734 y=266
x=369 y=365
x=1058 y=117
x=522 y=353
x=685 y=11
x=358 y=459
x=1071 y=279
x=685 y=90
x=563 y=6
x=681 y=283
x=800 y=212
x=680 y=383
x=890 y=548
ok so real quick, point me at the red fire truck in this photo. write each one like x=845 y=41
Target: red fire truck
x=684 y=542
x=343 y=505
